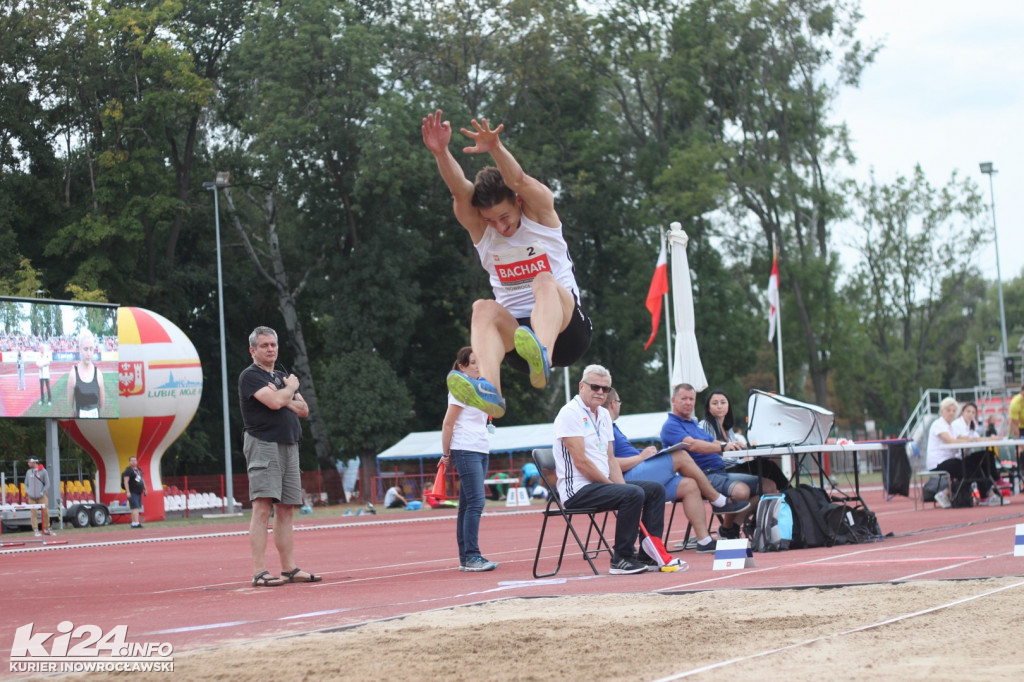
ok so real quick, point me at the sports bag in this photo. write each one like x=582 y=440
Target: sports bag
x=851 y=524
x=808 y=505
x=933 y=485
x=774 y=529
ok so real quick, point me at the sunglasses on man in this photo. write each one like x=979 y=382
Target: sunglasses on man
x=598 y=388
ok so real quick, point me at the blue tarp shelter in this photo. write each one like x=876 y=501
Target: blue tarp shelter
x=426 y=445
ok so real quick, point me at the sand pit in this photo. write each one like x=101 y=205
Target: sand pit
x=937 y=630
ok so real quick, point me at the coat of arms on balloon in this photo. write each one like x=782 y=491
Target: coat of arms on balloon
x=160 y=382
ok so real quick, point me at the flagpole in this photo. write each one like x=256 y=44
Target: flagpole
x=787 y=460
x=669 y=355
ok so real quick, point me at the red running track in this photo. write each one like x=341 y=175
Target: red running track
x=192 y=588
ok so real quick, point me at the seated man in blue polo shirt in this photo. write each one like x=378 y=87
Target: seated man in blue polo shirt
x=682 y=429
x=682 y=478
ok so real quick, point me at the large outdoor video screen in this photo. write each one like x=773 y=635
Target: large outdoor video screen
x=58 y=359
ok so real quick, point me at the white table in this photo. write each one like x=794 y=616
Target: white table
x=985 y=443
x=800 y=450
x=816 y=450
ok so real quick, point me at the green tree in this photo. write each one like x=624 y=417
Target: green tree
x=916 y=287
x=765 y=69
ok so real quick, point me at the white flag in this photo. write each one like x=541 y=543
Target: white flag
x=773 y=297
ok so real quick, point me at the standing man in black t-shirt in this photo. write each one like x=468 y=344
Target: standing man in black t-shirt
x=271 y=407
x=134 y=484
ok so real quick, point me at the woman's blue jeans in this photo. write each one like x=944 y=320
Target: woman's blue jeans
x=472 y=468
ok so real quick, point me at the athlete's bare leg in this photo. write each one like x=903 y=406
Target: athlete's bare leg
x=491 y=336
x=552 y=311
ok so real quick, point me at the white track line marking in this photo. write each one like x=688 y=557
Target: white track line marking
x=874 y=548
x=888 y=621
x=237 y=533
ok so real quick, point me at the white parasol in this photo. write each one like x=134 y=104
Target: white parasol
x=687 y=367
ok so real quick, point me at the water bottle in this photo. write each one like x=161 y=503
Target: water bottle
x=785 y=524
x=975 y=495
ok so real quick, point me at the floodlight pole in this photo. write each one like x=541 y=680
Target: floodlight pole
x=220 y=181
x=987 y=169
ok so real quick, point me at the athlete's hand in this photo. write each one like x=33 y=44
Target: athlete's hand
x=436 y=134
x=484 y=138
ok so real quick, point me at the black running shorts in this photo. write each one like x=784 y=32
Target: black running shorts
x=570 y=345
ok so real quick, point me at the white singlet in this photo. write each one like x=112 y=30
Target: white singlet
x=513 y=262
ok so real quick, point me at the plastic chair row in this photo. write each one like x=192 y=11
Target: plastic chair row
x=76 y=486
x=193 y=501
x=65 y=488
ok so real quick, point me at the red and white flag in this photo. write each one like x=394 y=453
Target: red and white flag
x=659 y=287
x=773 y=296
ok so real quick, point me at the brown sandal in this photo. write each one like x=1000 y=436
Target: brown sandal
x=265 y=579
x=292 y=576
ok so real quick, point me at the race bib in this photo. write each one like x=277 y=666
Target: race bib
x=518 y=266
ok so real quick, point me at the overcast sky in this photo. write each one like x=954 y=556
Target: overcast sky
x=946 y=91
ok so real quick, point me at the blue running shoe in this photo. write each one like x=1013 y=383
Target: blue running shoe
x=478 y=393
x=528 y=347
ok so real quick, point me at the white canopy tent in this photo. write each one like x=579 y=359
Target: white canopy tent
x=639 y=428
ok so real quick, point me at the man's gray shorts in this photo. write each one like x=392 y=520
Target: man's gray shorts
x=273 y=470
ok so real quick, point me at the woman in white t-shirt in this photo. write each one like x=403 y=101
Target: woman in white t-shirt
x=464 y=442
x=974 y=466
x=941 y=433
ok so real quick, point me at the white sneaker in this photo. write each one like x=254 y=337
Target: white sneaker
x=38 y=534
x=994 y=500
x=942 y=499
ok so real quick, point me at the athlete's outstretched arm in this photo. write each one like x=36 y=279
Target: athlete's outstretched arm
x=538 y=200
x=437 y=135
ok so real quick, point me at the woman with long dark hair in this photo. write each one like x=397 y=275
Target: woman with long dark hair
x=720 y=422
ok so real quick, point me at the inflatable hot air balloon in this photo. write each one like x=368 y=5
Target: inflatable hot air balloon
x=160 y=383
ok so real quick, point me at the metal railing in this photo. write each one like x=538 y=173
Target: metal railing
x=928 y=406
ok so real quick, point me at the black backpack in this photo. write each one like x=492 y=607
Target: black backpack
x=809 y=505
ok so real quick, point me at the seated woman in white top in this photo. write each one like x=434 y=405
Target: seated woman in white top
x=952 y=461
x=978 y=463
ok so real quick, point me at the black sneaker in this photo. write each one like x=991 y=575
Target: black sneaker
x=708 y=548
x=729 y=533
x=732 y=507
x=478 y=564
x=626 y=566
